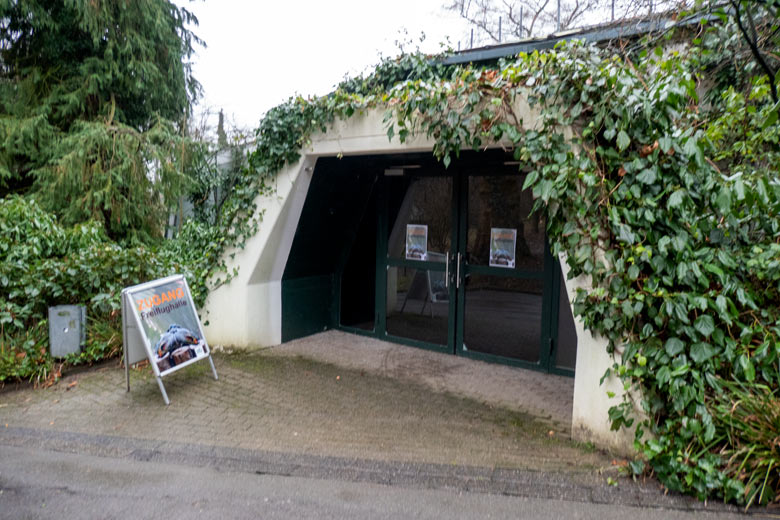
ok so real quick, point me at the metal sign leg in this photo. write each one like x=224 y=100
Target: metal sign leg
x=162 y=391
x=124 y=342
x=213 y=370
x=127 y=371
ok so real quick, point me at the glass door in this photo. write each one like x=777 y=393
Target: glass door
x=420 y=237
x=502 y=268
x=463 y=267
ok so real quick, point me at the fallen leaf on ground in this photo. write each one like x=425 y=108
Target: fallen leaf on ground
x=72 y=384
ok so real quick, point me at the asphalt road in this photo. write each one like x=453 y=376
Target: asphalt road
x=41 y=483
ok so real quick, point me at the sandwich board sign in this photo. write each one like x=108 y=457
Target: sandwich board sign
x=159 y=323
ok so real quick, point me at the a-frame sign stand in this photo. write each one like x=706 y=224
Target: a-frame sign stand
x=159 y=323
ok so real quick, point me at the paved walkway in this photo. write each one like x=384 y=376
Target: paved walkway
x=332 y=394
x=544 y=396
x=335 y=405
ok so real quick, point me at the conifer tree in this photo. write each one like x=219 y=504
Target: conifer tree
x=94 y=97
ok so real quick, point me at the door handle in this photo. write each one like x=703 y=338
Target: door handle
x=457 y=274
x=447 y=271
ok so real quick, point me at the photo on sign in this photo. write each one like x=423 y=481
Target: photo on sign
x=502 y=247
x=170 y=323
x=416 y=242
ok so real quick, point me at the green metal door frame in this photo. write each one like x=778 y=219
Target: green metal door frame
x=459 y=214
x=548 y=311
x=385 y=262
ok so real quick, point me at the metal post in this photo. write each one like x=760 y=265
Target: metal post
x=558 y=19
x=521 y=21
x=613 y=10
x=472 y=39
x=162 y=391
x=124 y=340
x=213 y=370
x=499 y=29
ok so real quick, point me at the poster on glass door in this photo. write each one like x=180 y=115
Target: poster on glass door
x=416 y=242
x=502 y=247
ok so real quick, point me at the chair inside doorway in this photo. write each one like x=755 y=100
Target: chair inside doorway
x=430 y=286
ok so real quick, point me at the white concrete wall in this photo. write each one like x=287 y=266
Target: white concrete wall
x=247 y=311
x=590 y=413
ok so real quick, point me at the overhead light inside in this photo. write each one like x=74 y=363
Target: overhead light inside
x=394 y=172
x=512 y=163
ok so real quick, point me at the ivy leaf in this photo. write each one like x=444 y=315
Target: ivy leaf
x=770 y=119
x=665 y=143
x=701 y=352
x=625 y=234
x=546 y=189
x=676 y=198
x=663 y=244
x=723 y=310
x=691 y=146
x=747 y=367
x=530 y=179
x=623 y=140
x=704 y=324
x=674 y=346
x=739 y=189
x=723 y=201
x=647 y=176
x=663 y=375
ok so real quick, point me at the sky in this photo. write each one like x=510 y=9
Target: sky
x=260 y=53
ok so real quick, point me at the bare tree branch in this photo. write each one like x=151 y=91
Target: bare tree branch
x=539 y=16
x=752 y=41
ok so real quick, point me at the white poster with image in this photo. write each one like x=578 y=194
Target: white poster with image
x=502 y=247
x=416 y=242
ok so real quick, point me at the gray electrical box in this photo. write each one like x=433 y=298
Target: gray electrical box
x=67 y=329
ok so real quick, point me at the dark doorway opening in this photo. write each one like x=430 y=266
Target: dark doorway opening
x=358 y=287
x=351 y=266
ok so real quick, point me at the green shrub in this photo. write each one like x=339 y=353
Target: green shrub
x=43 y=264
x=748 y=414
x=24 y=354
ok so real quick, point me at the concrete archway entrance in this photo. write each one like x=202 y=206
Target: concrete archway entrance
x=400 y=248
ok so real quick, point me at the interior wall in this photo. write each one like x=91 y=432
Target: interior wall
x=328 y=226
